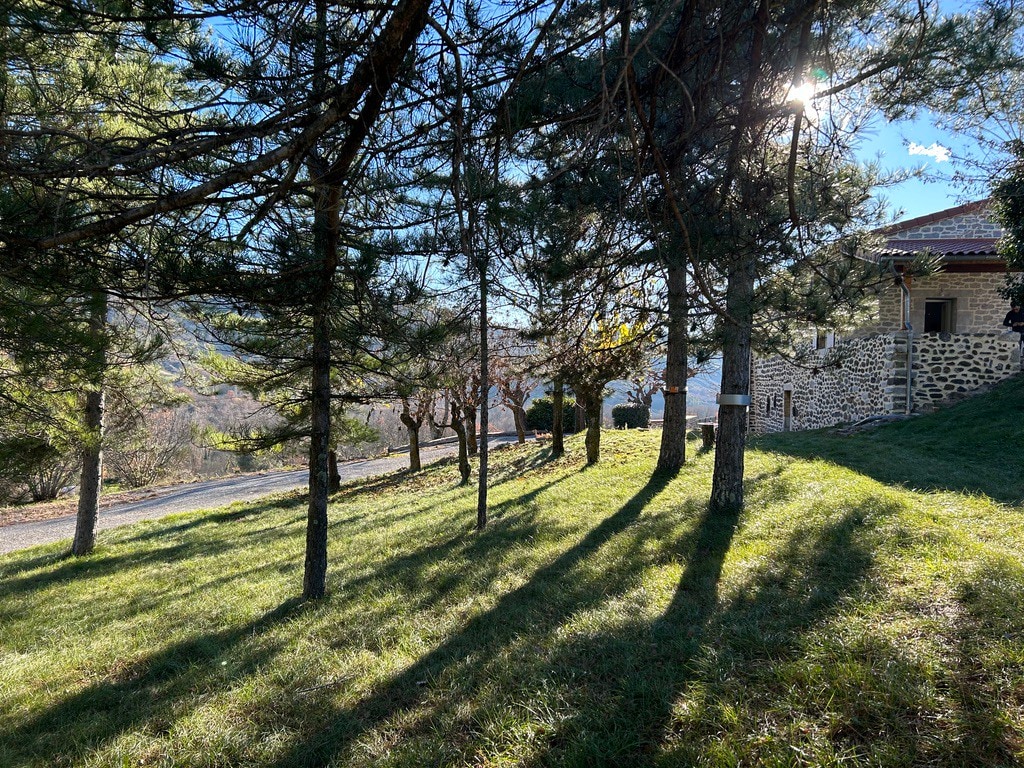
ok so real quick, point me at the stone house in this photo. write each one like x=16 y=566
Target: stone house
x=945 y=329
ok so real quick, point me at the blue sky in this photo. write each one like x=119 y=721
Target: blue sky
x=918 y=144
x=939 y=189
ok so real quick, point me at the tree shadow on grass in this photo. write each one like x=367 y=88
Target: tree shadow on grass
x=102 y=564
x=467 y=556
x=549 y=597
x=894 y=458
x=988 y=620
x=637 y=677
x=145 y=691
x=161 y=529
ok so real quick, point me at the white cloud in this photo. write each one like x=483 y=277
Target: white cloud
x=936 y=151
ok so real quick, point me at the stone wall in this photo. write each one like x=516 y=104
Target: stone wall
x=969 y=225
x=868 y=376
x=979 y=307
x=838 y=385
x=951 y=365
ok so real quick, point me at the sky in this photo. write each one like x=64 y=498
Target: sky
x=918 y=144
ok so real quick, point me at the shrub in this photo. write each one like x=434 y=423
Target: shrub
x=631 y=416
x=541 y=414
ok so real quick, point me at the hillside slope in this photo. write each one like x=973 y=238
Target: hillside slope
x=602 y=618
x=976 y=446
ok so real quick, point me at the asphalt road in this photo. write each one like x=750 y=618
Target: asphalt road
x=208 y=495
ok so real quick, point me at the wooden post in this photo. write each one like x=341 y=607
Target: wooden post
x=707 y=434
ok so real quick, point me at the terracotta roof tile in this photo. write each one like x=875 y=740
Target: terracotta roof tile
x=985 y=246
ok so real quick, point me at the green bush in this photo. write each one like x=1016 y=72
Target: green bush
x=631 y=416
x=541 y=414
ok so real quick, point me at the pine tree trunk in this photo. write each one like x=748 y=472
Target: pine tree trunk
x=557 y=427
x=332 y=469
x=325 y=243
x=314 y=584
x=459 y=428
x=470 y=419
x=727 y=481
x=92 y=475
x=485 y=379
x=594 y=406
x=672 y=455
x=91 y=481
x=414 y=441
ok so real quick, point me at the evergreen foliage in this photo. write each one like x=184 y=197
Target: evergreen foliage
x=631 y=416
x=540 y=414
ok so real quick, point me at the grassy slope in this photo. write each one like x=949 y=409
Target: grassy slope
x=603 y=618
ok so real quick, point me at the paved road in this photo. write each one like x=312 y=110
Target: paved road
x=215 y=493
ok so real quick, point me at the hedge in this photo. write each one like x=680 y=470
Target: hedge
x=540 y=414
x=631 y=416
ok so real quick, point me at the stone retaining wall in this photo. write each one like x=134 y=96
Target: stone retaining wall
x=868 y=376
x=948 y=365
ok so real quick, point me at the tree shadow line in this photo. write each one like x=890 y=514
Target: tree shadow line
x=908 y=463
x=147 y=690
x=804 y=591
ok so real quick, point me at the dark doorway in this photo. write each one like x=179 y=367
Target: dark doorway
x=939 y=316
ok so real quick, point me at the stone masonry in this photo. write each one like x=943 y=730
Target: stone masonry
x=868 y=376
x=951 y=365
x=865 y=374
x=968 y=225
x=833 y=386
x=978 y=306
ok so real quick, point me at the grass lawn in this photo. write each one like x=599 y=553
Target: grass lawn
x=863 y=610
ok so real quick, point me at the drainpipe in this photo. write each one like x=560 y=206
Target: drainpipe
x=910 y=332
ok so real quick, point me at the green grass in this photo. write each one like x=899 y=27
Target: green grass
x=976 y=446
x=603 y=618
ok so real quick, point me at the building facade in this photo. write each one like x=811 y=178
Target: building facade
x=927 y=341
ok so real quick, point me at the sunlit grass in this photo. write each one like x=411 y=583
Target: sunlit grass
x=603 y=618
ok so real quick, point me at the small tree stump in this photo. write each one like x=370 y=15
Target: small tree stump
x=707 y=434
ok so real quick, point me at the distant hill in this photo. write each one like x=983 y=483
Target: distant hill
x=700 y=393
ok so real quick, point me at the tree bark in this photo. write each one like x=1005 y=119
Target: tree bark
x=557 y=427
x=485 y=386
x=727 y=481
x=459 y=427
x=91 y=481
x=325 y=241
x=593 y=408
x=519 y=416
x=672 y=455
x=470 y=419
x=92 y=475
x=414 y=441
x=314 y=584
x=333 y=473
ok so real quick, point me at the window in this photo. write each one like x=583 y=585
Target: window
x=824 y=339
x=940 y=315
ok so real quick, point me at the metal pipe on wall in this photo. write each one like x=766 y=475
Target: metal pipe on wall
x=905 y=289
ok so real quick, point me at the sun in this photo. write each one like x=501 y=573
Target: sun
x=801 y=97
x=801 y=94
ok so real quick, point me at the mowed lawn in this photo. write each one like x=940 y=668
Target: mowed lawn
x=603 y=618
